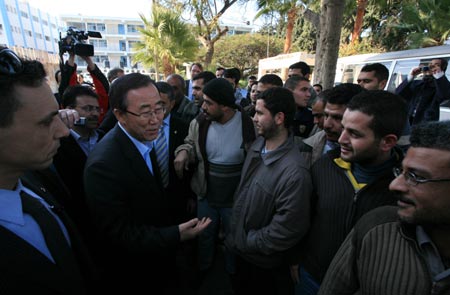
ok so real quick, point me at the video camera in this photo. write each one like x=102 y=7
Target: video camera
x=74 y=41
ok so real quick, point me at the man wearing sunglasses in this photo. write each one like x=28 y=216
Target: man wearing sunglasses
x=404 y=249
x=40 y=251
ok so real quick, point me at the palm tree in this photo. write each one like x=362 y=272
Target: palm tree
x=286 y=8
x=167 y=41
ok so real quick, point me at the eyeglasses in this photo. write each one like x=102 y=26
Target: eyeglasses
x=147 y=115
x=10 y=63
x=90 y=108
x=412 y=179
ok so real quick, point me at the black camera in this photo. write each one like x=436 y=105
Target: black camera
x=75 y=42
x=425 y=69
x=80 y=122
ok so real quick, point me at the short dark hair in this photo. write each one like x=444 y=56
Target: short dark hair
x=433 y=135
x=165 y=88
x=233 y=73
x=381 y=72
x=303 y=66
x=318 y=85
x=220 y=69
x=293 y=81
x=69 y=98
x=206 y=76
x=113 y=73
x=180 y=79
x=198 y=65
x=388 y=111
x=32 y=75
x=271 y=79
x=444 y=63
x=252 y=77
x=279 y=99
x=322 y=96
x=119 y=89
x=343 y=93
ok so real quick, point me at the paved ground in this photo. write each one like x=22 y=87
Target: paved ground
x=216 y=281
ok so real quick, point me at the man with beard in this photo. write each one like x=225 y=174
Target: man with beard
x=335 y=99
x=404 y=249
x=271 y=207
x=424 y=96
x=350 y=181
x=217 y=143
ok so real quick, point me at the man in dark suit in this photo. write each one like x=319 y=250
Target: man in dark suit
x=72 y=155
x=40 y=250
x=125 y=193
x=178 y=190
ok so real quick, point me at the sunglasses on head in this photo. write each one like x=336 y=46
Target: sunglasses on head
x=10 y=63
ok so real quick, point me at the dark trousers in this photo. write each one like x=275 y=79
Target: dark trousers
x=251 y=279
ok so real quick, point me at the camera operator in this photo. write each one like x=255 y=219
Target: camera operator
x=69 y=78
x=424 y=96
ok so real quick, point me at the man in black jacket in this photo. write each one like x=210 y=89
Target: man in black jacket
x=352 y=180
x=31 y=128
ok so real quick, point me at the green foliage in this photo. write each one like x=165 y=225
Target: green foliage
x=244 y=51
x=166 y=41
x=400 y=24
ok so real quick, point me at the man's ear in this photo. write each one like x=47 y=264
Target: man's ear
x=120 y=116
x=383 y=84
x=388 y=142
x=279 y=118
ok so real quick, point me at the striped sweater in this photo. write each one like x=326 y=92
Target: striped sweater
x=381 y=256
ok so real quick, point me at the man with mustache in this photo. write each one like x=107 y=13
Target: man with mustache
x=404 y=249
x=217 y=143
x=335 y=99
x=73 y=152
x=352 y=180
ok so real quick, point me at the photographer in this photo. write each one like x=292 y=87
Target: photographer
x=424 y=96
x=69 y=70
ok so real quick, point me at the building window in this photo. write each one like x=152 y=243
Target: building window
x=23 y=14
x=121 y=29
x=45 y=22
x=47 y=38
x=35 y=18
x=123 y=45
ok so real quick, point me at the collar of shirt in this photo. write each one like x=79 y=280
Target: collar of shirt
x=143 y=147
x=86 y=144
x=431 y=255
x=11 y=206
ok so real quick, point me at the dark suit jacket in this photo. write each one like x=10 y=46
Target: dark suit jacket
x=69 y=163
x=179 y=190
x=132 y=214
x=186 y=92
x=23 y=269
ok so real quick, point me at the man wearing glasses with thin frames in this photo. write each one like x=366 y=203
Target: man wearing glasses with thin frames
x=404 y=249
x=126 y=195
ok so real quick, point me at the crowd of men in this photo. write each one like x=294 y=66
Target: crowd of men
x=129 y=185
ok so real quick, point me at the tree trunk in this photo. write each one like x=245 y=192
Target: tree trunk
x=291 y=18
x=209 y=54
x=327 y=51
x=360 y=11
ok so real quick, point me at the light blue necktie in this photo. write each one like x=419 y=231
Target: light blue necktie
x=162 y=156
